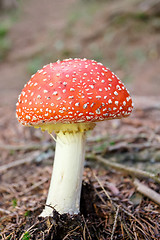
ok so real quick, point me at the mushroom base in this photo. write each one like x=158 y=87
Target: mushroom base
x=65 y=187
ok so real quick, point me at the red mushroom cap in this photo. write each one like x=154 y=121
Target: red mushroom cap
x=73 y=91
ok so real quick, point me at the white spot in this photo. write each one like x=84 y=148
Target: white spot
x=87 y=117
x=98 y=111
x=51 y=84
x=72 y=89
x=92 y=104
x=116 y=93
x=77 y=104
x=85 y=106
x=55 y=93
x=118 y=87
x=110 y=101
x=116 y=102
x=28 y=117
x=39 y=96
x=124 y=103
x=45 y=91
x=61 y=111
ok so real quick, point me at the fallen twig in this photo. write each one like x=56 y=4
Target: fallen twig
x=26 y=147
x=4 y=211
x=148 y=192
x=36 y=156
x=128 y=170
x=115 y=223
x=36 y=185
x=26 y=160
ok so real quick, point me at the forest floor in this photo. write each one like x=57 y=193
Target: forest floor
x=118 y=201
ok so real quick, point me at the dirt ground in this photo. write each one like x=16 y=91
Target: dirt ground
x=125 y=36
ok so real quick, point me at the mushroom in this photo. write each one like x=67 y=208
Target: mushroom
x=68 y=97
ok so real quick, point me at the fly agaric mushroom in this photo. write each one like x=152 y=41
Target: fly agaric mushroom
x=68 y=97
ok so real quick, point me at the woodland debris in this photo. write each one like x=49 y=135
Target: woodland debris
x=129 y=170
x=16 y=163
x=146 y=191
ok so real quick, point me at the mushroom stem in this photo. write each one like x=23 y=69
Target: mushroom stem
x=66 y=181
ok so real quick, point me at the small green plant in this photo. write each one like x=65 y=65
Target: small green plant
x=26 y=236
x=27 y=213
x=112 y=143
x=14 y=202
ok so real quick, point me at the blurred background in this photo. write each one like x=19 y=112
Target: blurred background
x=123 y=35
